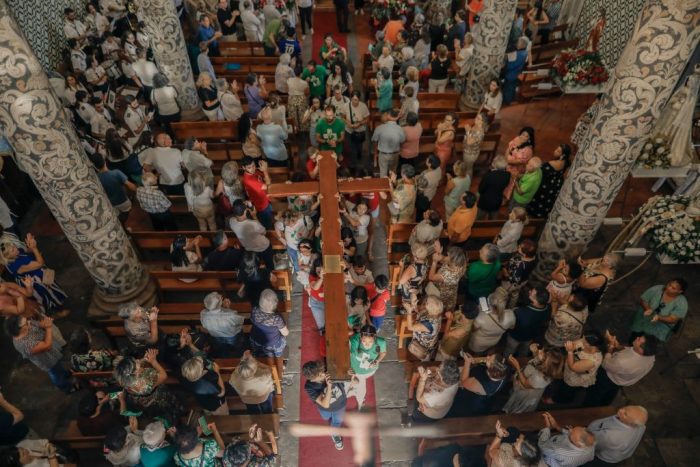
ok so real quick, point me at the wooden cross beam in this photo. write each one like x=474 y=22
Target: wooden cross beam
x=337 y=351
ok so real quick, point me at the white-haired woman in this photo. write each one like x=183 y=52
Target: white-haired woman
x=489 y=326
x=492 y=187
x=229 y=188
x=199 y=195
x=594 y=281
x=425 y=326
x=268 y=338
x=253 y=382
x=141 y=325
x=164 y=98
x=283 y=72
x=230 y=102
x=209 y=95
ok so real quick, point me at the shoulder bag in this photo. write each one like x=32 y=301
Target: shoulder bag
x=356 y=136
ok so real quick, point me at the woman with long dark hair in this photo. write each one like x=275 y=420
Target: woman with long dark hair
x=339 y=77
x=519 y=152
x=185 y=255
x=254 y=278
x=553 y=173
x=120 y=155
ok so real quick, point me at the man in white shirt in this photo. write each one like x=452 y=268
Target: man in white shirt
x=618 y=436
x=101 y=120
x=194 y=156
x=73 y=28
x=224 y=325
x=621 y=367
x=145 y=71
x=168 y=162
x=135 y=119
x=252 y=24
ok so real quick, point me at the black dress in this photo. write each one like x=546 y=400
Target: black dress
x=543 y=201
x=491 y=190
x=255 y=284
x=471 y=404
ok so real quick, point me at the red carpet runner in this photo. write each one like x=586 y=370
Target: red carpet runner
x=320 y=451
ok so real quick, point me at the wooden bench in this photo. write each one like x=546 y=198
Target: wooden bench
x=481 y=430
x=211 y=281
x=489 y=146
x=558 y=34
x=429 y=101
x=429 y=120
x=484 y=230
x=241 y=49
x=228 y=426
x=190 y=308
x=534 y=85
x=208 y=130
x=543 y=55
x=179 y=202
x=250 y=64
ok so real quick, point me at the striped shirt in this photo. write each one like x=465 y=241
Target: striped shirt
x=615 y=441
x=559 y=451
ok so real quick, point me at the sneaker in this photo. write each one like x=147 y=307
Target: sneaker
x=338 y=441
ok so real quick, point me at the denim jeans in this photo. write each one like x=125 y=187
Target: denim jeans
x=293 y=257
x=318 y=309
x=377 y=321
x=60 y=377
x=266 y=217
x=263 y=407
x=336 y=417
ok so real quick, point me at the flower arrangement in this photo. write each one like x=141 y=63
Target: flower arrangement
x=674 y=233
x=383 y=10
x=579 y=68
x=655 y=154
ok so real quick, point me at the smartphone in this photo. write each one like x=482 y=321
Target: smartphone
x=484 y=305
x=204 y=426
x=114 y=395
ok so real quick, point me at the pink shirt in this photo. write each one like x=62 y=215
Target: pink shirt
x=410 y=147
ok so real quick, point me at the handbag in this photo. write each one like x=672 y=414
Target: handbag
x=355 y=136
x=48 y=276
x=417 y=350
x=223 y=205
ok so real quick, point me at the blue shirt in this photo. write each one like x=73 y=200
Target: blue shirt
x=515 y=67
x=113 y=183
x=204 y=34
x=289 y=46
x=272 y=138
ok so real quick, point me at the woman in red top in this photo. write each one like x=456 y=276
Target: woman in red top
x=312 y=162
x=474 y=7
x=316 y=295
x=379 y=300
x=255 y=183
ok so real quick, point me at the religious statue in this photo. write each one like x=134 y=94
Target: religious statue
x=593 y=40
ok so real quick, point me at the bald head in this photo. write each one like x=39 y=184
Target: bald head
x=581 y=437
x=633 y=415
x=533 y=164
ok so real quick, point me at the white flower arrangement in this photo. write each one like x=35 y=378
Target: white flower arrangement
x=655 y=154
x=674 y=233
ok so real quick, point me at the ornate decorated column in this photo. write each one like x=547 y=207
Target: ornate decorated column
x=48 y=149
x=490 y=42
x=665 y=36
x=170 y=53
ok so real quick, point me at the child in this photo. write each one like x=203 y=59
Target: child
x=328 y=397
x=379 y=300
x=517 y=269
x=507 y=238
x=357 y=273
x=359 y=220
x=305 y=259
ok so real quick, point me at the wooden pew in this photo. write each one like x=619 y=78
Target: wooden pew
x=557 y=34
x=429 y=101
x=251 y=64
x=211 y=281
x=241 y=49
x=179 y=202
x=535 y=85
x=216 y=131
x=483 y=230
x=228 y=426
x=481 y=430
x=426 y=146
x=429 y=119
x=544 y=54
x=166 y=309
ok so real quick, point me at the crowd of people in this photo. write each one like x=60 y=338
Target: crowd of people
x=520 y=347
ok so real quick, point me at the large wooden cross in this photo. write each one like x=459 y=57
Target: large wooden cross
x=337 y=351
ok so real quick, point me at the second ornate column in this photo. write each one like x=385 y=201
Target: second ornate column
x=490 y=42
x=170 y=53
x=665 y=36
x=47 y=148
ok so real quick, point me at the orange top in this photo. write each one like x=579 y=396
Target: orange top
x=477 y=6
x=459 y=226
x=391 y=31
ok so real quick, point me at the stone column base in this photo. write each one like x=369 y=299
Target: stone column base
x=464 y=104
x=104 y=305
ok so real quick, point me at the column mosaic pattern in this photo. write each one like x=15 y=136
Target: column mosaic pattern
x=621 y=17
x=47 y=148
x=664 y=38
x=490 y=42
x=169 y=49
x=41 y=21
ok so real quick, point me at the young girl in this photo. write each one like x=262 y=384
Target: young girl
x=563 y=278
x=359 y=220
x=507 y=239
x=306 y=259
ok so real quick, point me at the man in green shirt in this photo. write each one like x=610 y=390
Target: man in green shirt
x=274 y=30
x=315 y=75
x=366 y=351
x=528 y=184
x=330 y=132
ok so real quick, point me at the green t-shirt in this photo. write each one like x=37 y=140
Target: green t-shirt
x=384 y=95
x=317 y=80
x=528 y=185
x=273 y=27
x=361 y=358
x=330 y=132
x=161 y=457
x=482 y=278
x=331 y=58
